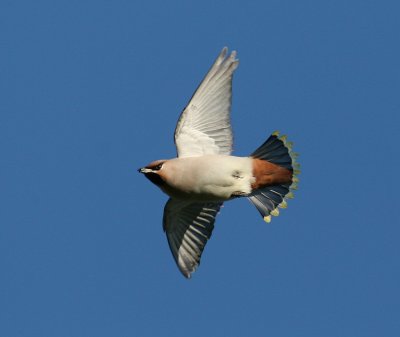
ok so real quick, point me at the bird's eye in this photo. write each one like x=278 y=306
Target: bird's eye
x=158 y=167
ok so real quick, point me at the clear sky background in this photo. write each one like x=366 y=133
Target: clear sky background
x=91 y=90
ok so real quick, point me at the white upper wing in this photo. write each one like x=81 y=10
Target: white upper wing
x=188 y=227
x=204 y=126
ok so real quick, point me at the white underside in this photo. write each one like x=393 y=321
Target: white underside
x=208 y=178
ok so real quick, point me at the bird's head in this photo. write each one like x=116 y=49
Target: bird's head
x=154 y=172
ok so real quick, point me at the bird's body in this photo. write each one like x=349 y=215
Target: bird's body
x=207 y=178
x=205 y=174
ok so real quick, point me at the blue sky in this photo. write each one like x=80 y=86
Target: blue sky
x=91 y=91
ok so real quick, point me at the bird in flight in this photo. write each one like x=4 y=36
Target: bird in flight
x=204 y=174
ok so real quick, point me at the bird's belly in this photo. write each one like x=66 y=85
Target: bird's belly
x=213 y=178
x=210 y=193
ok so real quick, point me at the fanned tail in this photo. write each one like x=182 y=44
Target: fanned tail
x=276 y=150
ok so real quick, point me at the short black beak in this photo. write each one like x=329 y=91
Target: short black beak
x=140 y=170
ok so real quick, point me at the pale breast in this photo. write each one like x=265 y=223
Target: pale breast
x=210 y=177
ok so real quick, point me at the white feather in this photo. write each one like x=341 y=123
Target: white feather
x=209 y=177
x=204 y=126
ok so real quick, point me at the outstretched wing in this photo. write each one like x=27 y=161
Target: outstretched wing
x=204 y=126
x=188 y=226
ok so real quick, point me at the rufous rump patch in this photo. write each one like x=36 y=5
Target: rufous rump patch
x=267 y=174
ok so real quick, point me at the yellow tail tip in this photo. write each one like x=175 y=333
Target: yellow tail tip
x=267 y=219
x=275 y=212
x=283 y=204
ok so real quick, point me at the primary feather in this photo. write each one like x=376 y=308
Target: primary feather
x=204 y=126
